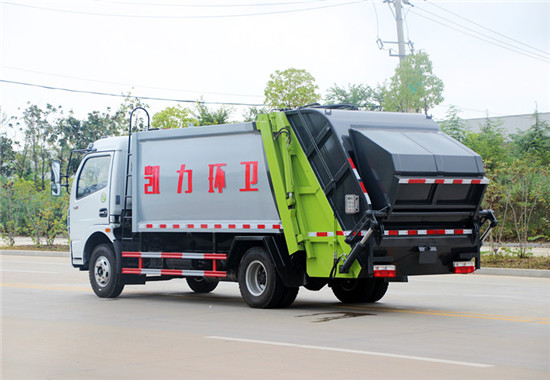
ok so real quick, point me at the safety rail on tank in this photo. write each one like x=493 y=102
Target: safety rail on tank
x=126 y=217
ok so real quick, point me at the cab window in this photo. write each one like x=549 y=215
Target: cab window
x=93 y=176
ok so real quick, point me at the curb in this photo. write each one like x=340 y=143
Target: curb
x=17 y=252
x=540 y=273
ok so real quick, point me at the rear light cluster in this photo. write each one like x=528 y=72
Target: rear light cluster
x=464 y=267
x=384 y=271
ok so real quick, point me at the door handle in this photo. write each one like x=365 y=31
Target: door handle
x=102 y=212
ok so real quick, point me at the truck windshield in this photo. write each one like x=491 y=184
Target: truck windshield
x=93 y=176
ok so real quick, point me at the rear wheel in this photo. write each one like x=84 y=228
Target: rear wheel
x=259 y=282
x=289 y=296
x=201 y=284
x=353 y=290
x=380 y=288
x=105 y=280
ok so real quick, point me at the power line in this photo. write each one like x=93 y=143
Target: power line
x=488 y=29
x=126 y=84
x=124 y=96
x=182 y=17
x=510 y=48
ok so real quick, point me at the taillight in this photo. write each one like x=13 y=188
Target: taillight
x=384 y=271
x=464 y=267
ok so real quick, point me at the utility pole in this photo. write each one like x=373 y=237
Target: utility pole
x=401 y=44
x=399 y=23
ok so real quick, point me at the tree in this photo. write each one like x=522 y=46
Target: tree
x=173 y=117
x=253 y=112
x=535 y=141
x=39 y=135
x=206 y=116
x=361 y=95
x=453 y=125
x=413 y=87
x=291 y=88
x=489 y=143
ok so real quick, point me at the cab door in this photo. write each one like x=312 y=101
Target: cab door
x=90 y=202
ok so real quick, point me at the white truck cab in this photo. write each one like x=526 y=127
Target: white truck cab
x=96 y=197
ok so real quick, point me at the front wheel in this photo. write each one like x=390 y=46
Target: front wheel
x=105 y=280
x=259 y=282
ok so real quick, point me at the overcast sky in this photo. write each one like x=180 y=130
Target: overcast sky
x=493 y=56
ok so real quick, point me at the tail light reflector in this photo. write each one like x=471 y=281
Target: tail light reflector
x=384 y=271
x=464 y=267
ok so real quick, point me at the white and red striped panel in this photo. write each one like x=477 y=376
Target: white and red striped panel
x=400 y=232
x=427 y=232
x=262 y=226
x=358 y=177
x=445 y=181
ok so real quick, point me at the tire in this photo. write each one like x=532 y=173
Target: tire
x=380 y=288
x=259 y=282
x=353 y=290
x=201 y=284
x=289 y=296
x=105 y=282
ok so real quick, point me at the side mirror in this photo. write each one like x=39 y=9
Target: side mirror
x=56 y=178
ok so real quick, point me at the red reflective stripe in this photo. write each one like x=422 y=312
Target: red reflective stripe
x=170 y=272
x=340 y=233
x=458 y=181
x=131 y=254
x=321 y=234
x=438 y=181
x=459 y=232
x=276 y=226
x=217 y=226
x=163 y=226
x=417 y=180
x=351 y=163
x=190 y=226
x=412 y=232
x=246 y=226
x=363 y=187
x=149 y=226
x=232 y=226
x=431 y=232
x=261 y=226
x=211 y=273
x=204 y=225
x=476 y=181
x=176 y=226
x=131 y=271
x=215 y=256
x=393 y=232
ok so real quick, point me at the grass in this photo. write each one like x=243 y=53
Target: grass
x=505 y=261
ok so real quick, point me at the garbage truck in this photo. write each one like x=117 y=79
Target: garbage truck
x=310 y=197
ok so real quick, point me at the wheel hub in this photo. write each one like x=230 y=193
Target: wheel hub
x=256 y=278
x=102 y=271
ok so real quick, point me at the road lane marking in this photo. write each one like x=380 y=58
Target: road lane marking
x=27 y=271
x=351 y=351
x=451 y=314
x=192 y=296
x=45 y=287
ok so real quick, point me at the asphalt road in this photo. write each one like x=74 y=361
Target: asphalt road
x=475 y=326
